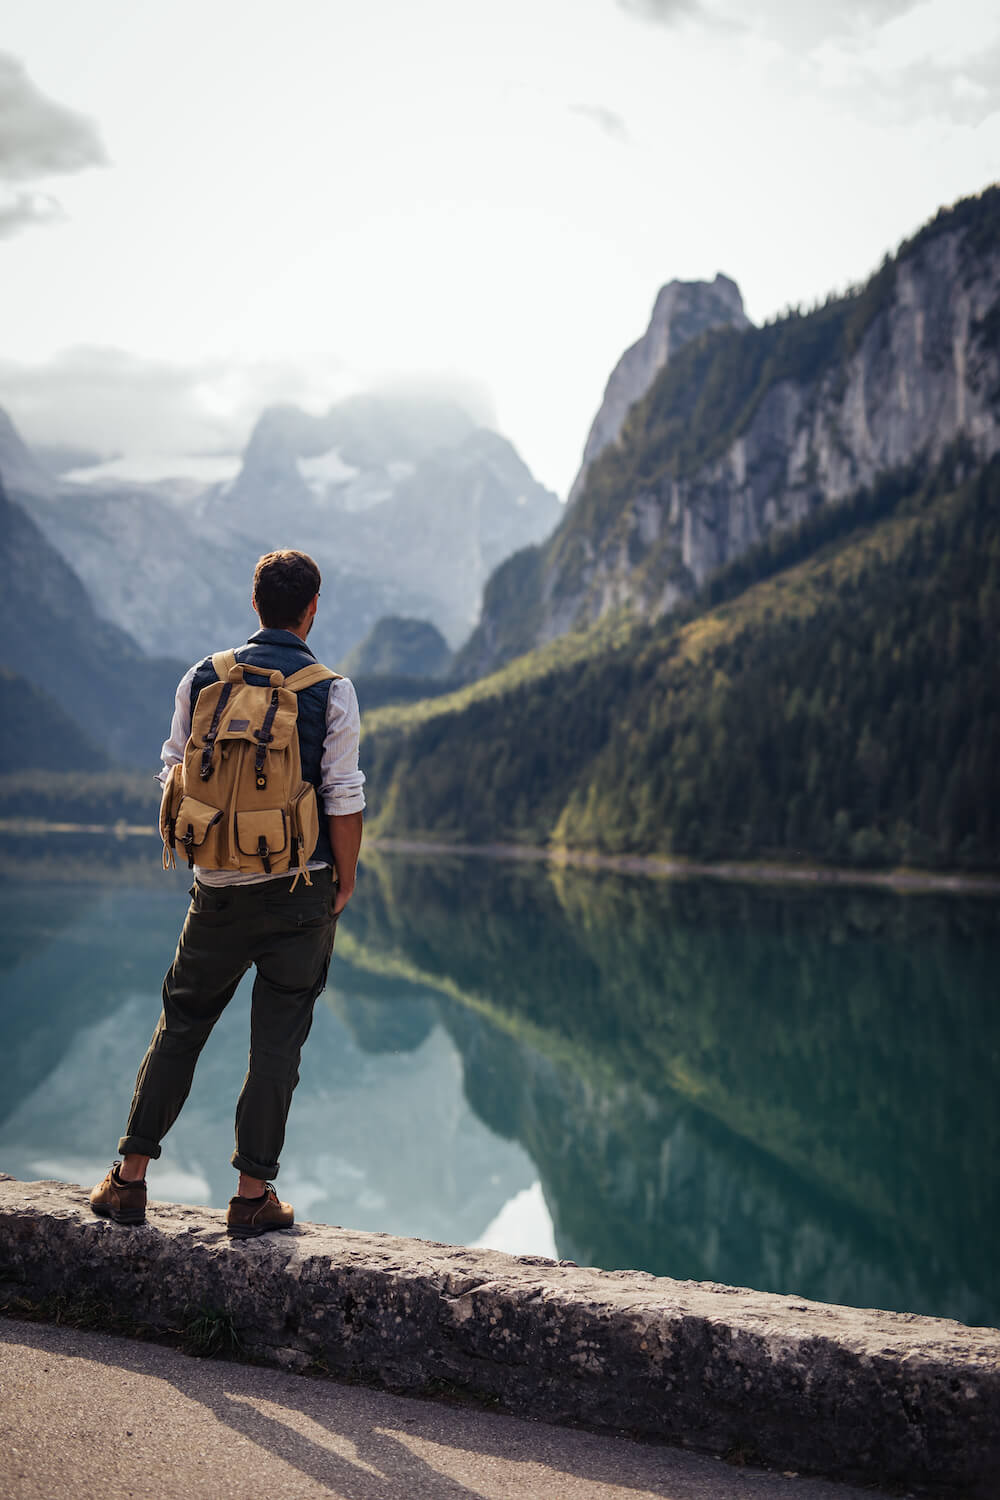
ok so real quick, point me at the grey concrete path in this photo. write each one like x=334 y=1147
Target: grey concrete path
x=86 y=1415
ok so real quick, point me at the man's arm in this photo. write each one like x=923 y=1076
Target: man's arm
x=345 y=839
x=180 y=725
x=342 y=785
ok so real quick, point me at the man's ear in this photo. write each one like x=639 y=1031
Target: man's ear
x=253 y=605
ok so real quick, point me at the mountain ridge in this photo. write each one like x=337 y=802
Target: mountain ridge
x=746 y=431
x=682 y=311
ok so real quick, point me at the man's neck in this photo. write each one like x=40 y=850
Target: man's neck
x=300 y=630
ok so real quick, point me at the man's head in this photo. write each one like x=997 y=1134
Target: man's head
x=285 y=589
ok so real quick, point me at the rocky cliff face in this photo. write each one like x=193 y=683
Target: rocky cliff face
x=410 y=498
x=747 y=430
x=682 y=310
x=22 y=472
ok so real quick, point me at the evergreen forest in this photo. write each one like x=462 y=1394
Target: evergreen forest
x=833 y=697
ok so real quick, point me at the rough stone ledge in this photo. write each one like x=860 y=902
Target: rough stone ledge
x=877 y=1397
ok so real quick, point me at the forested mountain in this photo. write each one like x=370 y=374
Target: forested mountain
x=108 y=699
x=35 y=731
x=843 y=707
x=748 y=431
x=398 y=647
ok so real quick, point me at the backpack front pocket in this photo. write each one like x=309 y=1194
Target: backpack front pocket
x=192 y=826
x=264 y=834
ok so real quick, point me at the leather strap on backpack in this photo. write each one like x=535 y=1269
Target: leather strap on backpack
x=306 y=676
x=223 y=663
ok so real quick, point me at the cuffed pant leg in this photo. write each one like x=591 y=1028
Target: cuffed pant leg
x=212 y=956
x=292 y=964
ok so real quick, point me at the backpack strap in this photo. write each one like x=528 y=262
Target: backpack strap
x=223 y=663
x=307 y=676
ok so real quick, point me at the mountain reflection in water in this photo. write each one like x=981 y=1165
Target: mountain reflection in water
x=780 y=1088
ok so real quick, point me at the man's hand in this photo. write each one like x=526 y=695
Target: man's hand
x=345 y=840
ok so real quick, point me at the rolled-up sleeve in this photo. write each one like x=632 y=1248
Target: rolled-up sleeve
x=341 y=779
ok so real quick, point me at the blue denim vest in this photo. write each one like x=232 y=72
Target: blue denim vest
x=285 y=652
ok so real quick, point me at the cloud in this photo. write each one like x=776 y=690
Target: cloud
x=608 y=120
x=112 y=401
x=795 y=22
x=965 y=93
x=109 y=401
x=897 y=80
x=25 y=210
x=661 y=12
x=892 y=61
x=38 y=138
x=474 y=396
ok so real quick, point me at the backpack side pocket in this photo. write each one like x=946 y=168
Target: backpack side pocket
x=173 y=790
x=305 y=825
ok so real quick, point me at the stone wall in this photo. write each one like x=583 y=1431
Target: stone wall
x=886 y=1398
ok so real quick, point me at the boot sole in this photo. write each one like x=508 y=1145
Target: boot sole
x=106 y=1213
x=244 y=1232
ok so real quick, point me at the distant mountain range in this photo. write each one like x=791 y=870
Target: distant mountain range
x=406 y=494
x=406 y=504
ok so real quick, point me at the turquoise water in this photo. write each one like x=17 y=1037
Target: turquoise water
x=794 y=1090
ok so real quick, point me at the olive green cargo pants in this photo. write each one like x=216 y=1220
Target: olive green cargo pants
x=289 y=937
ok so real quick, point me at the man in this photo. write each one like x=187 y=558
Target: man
x=236 y=920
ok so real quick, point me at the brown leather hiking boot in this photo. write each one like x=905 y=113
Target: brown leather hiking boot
x=125 y=1202
x=248 y=1217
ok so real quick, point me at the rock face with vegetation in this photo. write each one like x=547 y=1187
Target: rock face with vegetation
x=748 y=431
x=683 y=309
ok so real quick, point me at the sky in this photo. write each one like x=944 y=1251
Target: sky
x=206 y=208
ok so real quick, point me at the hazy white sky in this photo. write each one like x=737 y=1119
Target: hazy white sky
x=208 y=205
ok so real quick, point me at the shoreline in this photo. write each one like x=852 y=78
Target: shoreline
x=660 y=866
x=663 y=867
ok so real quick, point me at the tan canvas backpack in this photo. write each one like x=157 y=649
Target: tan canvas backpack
x=237 y=801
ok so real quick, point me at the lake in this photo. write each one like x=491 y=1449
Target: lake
x=785 y=1088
